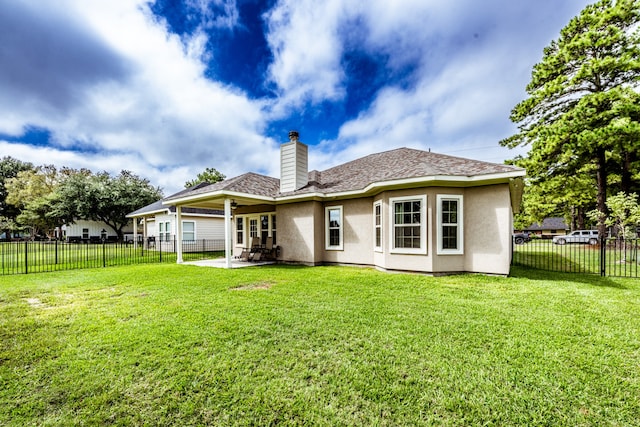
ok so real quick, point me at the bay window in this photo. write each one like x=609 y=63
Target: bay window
x=409 y=224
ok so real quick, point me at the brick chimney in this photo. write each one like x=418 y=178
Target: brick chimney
x=294 y=164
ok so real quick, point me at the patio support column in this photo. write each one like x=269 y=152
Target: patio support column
x=179 y=234
x=135 y=233
x=227 y=232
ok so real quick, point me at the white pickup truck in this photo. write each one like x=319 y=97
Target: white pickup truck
x=578 y=236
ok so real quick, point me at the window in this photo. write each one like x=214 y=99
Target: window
x=253 y=227
x=273 y=228
x=450 y=220
x=264 y=228
x=409 y=225
x=165 y=231
x=188 y=230
x=85 y=233
x=239 y=231
x=377 y=226
x=333 y=229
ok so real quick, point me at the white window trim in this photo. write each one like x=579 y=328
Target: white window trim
x=422 y=250
x=375 y=227
x=195 y=236
x=272 y=229
x=439 y=199
x=246 y=226
x=243 y=231
x=167 y=231
x=326 y=229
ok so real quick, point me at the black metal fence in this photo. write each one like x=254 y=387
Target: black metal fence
x=43 y=256
x=610 y=257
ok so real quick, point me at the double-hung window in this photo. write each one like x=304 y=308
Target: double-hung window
x=167 y=231
x=188 y=231
x=450 y=224
x=253 y=227
x=409 y=224
x=273 y=228
x=333 y=228
x=239 y=230
x=264 y=228
x=377 y=226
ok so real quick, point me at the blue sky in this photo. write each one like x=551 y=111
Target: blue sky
x=168 y=88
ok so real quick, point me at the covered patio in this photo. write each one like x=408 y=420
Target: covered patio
x=249 y=194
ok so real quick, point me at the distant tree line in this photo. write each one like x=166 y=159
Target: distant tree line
x=38 y=199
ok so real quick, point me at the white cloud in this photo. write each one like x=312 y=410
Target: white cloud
x=303 y=36
x=157 y=113
x=463 y=86
x=118 y=90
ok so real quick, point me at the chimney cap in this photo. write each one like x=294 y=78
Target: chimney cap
x=294 y=135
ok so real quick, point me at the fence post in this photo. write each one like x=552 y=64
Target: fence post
x=104 y=254
x=603 y=256
x=56 y=245
x=26 y=257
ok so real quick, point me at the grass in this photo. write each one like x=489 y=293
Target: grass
x=185 y=345
x=37 y=257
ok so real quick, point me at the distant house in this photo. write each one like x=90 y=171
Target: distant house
x=88 y=231
x=402 y=209
x=159 y=223
x=552 y=226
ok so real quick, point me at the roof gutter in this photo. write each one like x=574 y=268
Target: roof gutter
x=467 y=181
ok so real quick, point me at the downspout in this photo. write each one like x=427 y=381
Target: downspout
x=227 y=232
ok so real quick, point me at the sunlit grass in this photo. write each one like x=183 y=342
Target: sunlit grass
x=185 y=345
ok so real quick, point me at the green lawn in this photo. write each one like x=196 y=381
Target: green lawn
x=186 y=345
x=38 y=257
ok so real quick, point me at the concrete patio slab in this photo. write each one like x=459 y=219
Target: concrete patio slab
x=221 y=263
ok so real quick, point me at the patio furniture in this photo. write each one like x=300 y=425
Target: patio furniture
x=269 y=251
x=248 y=254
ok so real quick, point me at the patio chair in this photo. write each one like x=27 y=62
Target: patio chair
x=254 y=249
x=269 y=252
x=248 y=253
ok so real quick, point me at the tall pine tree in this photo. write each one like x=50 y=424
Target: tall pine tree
x=582 y=116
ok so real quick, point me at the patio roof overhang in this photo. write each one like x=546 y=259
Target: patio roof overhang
x=147 y=213
x=215 y=200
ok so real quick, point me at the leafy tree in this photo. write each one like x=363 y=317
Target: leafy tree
x=583 y=112
x=209 y=175
x=33 y=192
x=101 y=197
x=624 y=213
x=9 y=168
x=569 y=197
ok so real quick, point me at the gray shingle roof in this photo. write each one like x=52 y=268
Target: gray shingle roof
x=159 y=206
x=398 y=164
x=551 y=223
x=402 y=163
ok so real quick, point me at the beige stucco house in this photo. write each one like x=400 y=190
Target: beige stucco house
x=403 y=209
